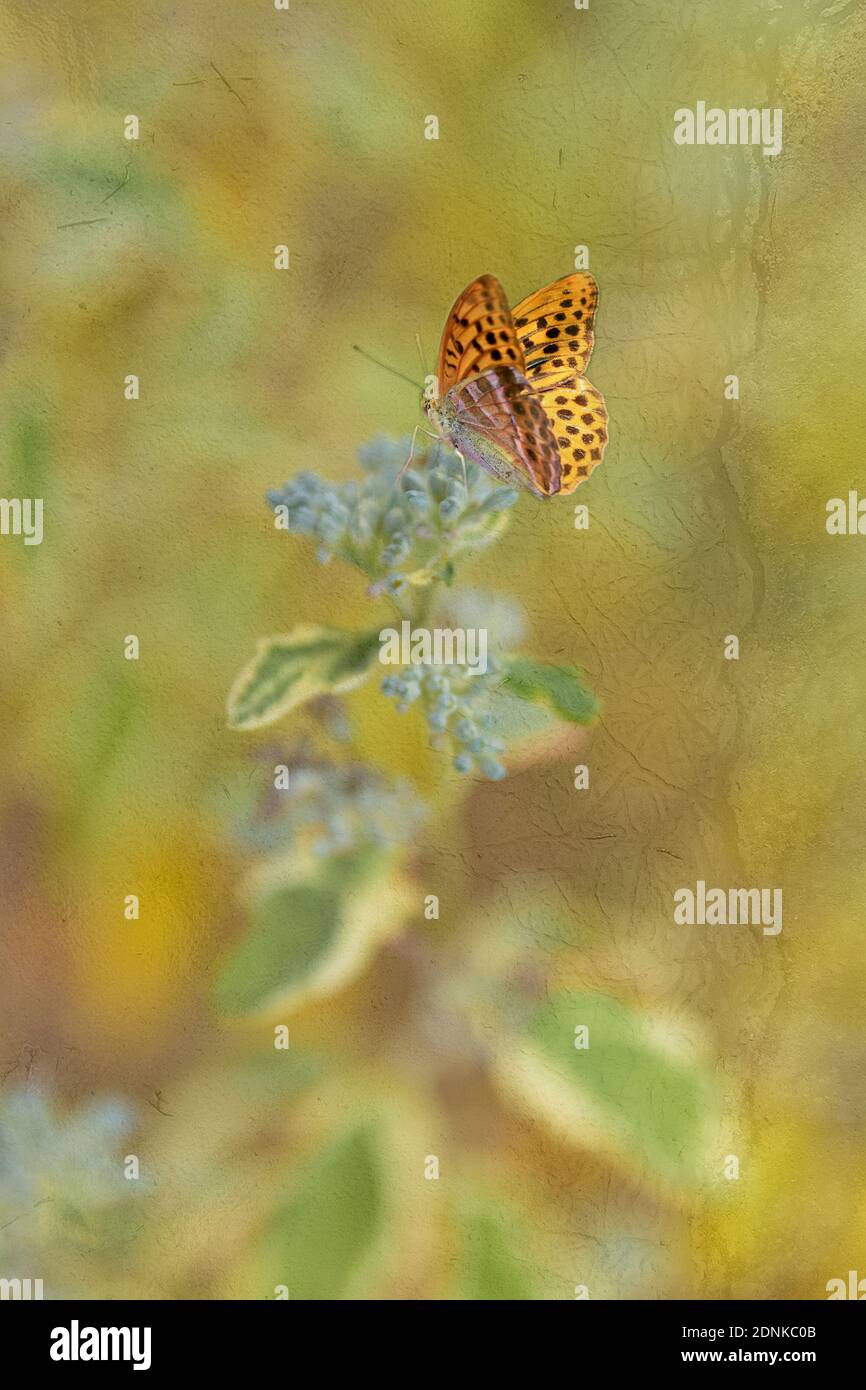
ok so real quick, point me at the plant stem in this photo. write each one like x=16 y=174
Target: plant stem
x=425 y=603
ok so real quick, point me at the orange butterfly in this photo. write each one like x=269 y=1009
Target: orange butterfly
x=509 y=391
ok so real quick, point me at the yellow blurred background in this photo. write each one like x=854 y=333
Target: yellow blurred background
x=155 y=257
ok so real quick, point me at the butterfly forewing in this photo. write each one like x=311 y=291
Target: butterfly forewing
x=479 y=334
x=554 y=328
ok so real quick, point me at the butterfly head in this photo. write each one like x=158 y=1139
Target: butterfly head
x=430 y=403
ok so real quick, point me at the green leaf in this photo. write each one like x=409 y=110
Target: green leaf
x=317 y=1243
x=311 y=937
x=513 y=719
x=287 y=671
x=561 y=688
x=491 y=1270
x=634 y=1094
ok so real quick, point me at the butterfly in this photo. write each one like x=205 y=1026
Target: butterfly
x=509 y=391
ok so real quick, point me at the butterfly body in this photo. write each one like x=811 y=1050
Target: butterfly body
x=510 y=393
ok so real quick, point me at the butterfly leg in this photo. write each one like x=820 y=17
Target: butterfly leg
x=465 y=479
x=419 y=429
x=408 y=462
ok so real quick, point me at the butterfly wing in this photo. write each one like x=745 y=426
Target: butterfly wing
x=555 y=333
x=499 y=425
x=555 y=328
x=577 y=416
x=479 y=334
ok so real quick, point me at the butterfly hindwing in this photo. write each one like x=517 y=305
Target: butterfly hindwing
x=503 y=427
x=479 y=334
x=555 y=329
x=578 y=419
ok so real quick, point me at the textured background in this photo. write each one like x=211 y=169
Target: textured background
x=707 y=518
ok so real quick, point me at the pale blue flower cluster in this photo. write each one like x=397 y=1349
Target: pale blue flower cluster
x=43 y=1152
x=337 y=808
x=62 y=1179
x=398 y=525
x=456 y=703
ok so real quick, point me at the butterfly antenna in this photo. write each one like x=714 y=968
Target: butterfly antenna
x=421 y=355
x=392 y=370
